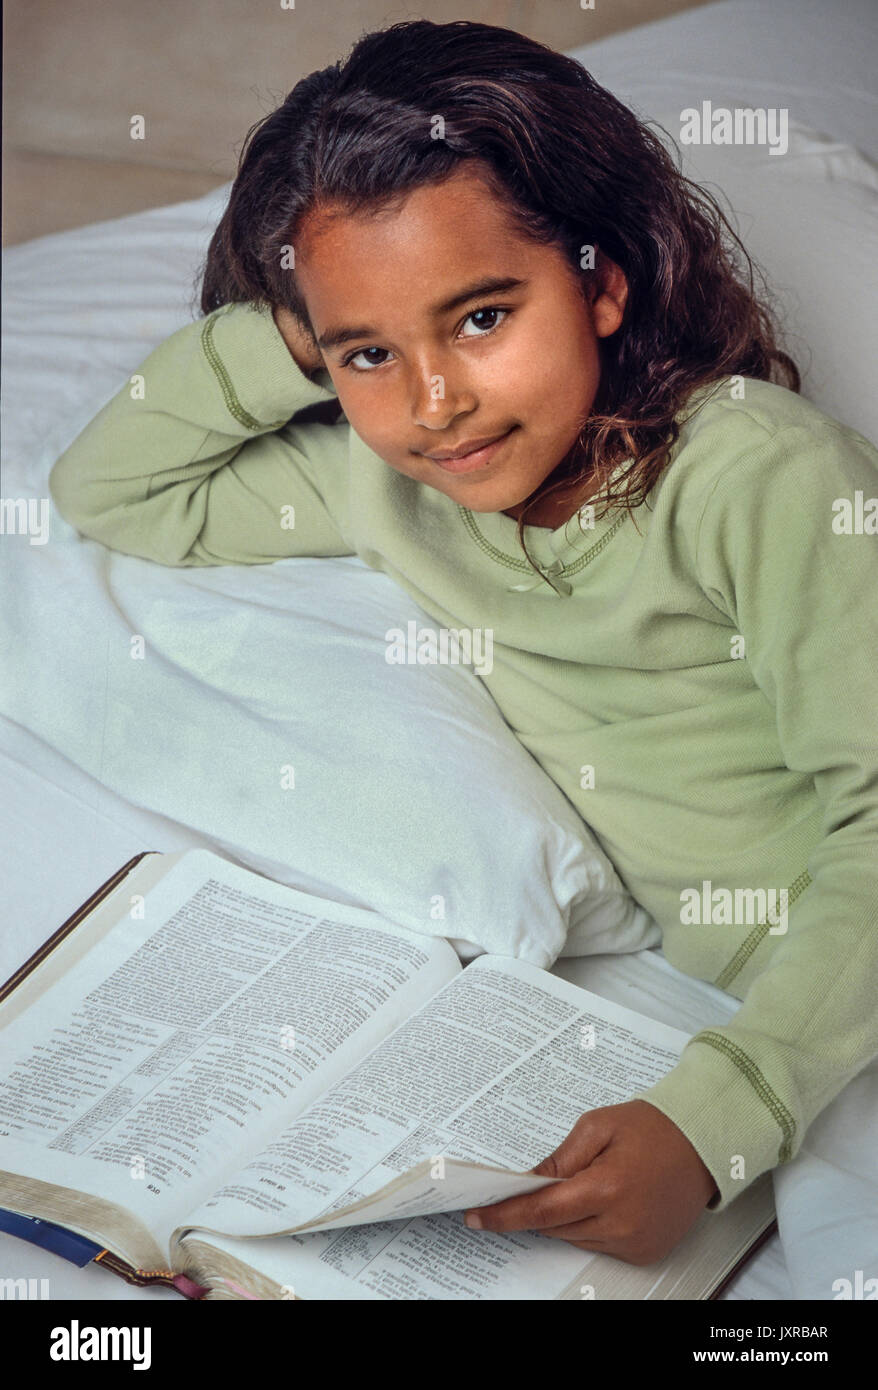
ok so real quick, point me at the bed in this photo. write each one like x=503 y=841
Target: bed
x=82 y=788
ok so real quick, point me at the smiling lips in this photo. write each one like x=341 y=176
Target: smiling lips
x=474 y=454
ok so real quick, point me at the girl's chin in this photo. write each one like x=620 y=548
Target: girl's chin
x=487 y=494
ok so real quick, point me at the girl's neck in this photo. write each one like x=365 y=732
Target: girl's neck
x=552 y=511
x=549 y=514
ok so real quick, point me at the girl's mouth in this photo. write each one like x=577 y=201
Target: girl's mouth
x=478 y=458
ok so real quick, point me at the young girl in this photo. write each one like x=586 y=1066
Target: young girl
x=559 y=423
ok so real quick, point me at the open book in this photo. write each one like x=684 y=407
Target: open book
x=252 y=1092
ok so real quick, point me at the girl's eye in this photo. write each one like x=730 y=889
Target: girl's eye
x=363 y=352
x=488 y=322
x=486 y=327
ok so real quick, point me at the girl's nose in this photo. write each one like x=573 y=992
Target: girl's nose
x=437 y=398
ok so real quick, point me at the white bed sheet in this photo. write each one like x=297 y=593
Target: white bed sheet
x=63 y=833
x=815 y=57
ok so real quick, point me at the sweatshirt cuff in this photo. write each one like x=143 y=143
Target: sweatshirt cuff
x=262 y=384
x=727 y=1109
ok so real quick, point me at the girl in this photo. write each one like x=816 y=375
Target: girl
x=559 y=422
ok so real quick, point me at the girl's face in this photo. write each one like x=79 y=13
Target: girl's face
x=444 y=329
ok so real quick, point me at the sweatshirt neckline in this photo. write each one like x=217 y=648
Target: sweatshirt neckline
x=560 y=554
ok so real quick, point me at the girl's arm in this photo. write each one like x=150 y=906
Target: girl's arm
x=774 y=558
x=194 y=461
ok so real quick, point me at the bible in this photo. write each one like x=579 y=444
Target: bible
x=246 y=1091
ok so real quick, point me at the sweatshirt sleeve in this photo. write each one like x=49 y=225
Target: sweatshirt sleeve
x=196 y=460
x=772 y=556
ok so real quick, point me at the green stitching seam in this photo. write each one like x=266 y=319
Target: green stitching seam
x=230 y=396
x=740 y=1059
x=513 y=563
x=757 y=935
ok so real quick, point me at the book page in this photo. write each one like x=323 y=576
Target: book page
x=494 y=1070
x=426 y=1257
x=149 y=1071
x=432 y=1257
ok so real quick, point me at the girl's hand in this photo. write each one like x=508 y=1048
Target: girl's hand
x=304 y=351
x=634 y=1186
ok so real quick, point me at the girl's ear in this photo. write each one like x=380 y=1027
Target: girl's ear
x=609 y=297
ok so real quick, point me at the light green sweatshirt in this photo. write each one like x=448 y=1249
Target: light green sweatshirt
x=704 y=689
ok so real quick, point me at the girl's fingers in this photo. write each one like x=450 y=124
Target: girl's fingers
x=583 y=1192
x=573 y=1199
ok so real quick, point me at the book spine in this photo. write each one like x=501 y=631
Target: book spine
x=747 y=1256
x=181 y=1282
x=72 y=922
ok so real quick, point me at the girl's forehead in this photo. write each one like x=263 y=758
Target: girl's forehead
x=460 y=210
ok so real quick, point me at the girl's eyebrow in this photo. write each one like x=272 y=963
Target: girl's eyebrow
x=495 y=284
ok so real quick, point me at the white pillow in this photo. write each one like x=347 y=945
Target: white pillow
x=809 y=218
x=405 y=790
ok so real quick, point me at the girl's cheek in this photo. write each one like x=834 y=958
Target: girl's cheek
x=359 y=406
x=380 y=426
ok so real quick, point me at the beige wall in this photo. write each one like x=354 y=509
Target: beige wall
x=200 y=72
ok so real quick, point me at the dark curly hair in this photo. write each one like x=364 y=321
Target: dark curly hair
x=574 y=166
